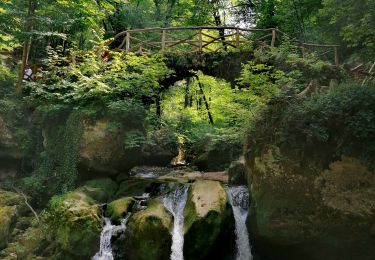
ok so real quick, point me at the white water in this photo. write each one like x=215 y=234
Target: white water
x=239 y=199
x=175 y=203
x=105 y=251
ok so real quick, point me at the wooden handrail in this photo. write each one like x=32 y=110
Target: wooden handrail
x=234 y=39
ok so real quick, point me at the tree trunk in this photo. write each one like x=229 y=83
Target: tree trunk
x=210 y=118
x=26 y=46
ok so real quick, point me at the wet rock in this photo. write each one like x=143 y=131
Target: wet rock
x=207 y=216
x=148 y=233
x=117 y=209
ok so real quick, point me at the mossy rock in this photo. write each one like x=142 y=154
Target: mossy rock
x=8 y=198
x=206 y=212
x=76 y=223
x=117 y=209
x=101 y=190
x=148 y=234
x=133 y=187
x=24 y=246
x=8 y=215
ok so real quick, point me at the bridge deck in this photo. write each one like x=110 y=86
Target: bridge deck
x=207 y=39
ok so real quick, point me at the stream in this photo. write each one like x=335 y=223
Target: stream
x=105 y=251
x=175 y=203
x=239 y=199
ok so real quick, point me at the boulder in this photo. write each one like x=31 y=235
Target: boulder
x=101 y=190
x=102 y=148
x=148 y=234
x=237 y=172
x=299 y=205
x=208 y=220
x=75 y=224
x=117 y=209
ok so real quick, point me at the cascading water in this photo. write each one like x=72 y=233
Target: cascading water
x=239 y=199
x=105 y=252
x=175 y=203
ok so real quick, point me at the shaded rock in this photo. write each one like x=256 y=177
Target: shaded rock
x=9 y=147
x=207 y=217
x=162 y=149
x=117 y=209
x=148 y=234
x=237 y=172
x=75 y=223
x=133 y=187
x=216 y=156
x=8 y=215
x=100 y=190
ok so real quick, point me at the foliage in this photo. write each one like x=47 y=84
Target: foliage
x=336 y=122
x=184 y=111
x=351 y=22
x=55 y=170
x=94 y=80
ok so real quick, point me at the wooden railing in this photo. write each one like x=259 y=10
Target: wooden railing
x=205 y=39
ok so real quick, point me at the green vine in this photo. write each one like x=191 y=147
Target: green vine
x=56 y=165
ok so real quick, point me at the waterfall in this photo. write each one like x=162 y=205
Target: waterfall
x=175 y=203
x=239 y=199
x=105 y=251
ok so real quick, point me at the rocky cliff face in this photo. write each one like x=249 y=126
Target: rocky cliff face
x=301 y=209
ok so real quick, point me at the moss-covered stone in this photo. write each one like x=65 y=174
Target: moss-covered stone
x=24 y=245
x=76 y=224
x=148 y=234
x=101 y=190
x=117 y=209
x=8 y=216
x=205 y=213
x=8 y=198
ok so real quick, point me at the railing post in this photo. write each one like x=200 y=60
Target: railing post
x=336 y=56
x=237 y=37
x=200 y=40
x=273 y=38
x=127 y=42
x=163 y=39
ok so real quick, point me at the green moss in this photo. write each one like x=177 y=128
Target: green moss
x=117 y=209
